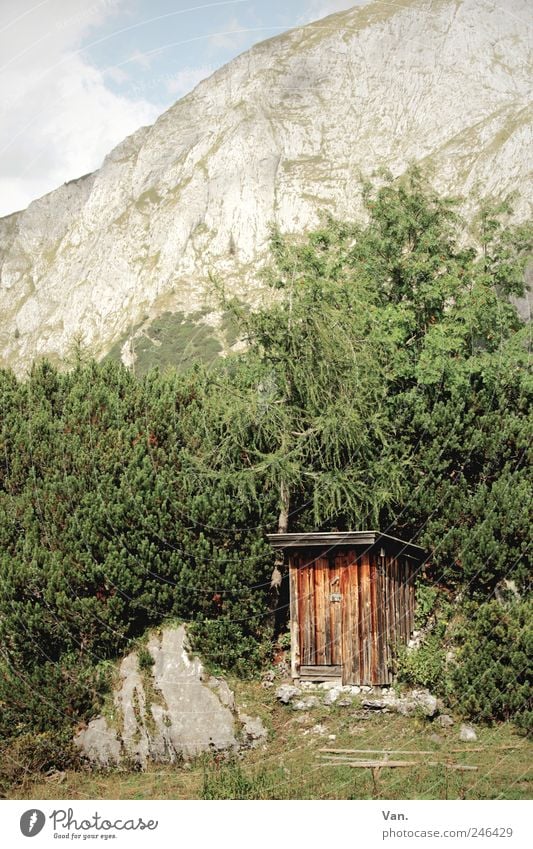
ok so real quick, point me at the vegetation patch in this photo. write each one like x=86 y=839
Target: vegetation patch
x=177 y=340
x=387 y=384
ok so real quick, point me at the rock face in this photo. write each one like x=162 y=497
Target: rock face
x=171 y=711
x=279 y=134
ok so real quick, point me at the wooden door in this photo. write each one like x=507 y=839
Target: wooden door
x=352 y=607
x=319 y=616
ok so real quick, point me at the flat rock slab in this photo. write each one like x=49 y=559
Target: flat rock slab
x=99 y=743
x=191 y=718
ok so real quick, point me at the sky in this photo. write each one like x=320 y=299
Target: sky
x=78 y=76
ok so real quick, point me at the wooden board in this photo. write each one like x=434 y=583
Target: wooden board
x=365 y=614
x=356 y=633
x=294 y=561
x=335 y=612
x=375 y=671
x=396 y=764
x=306 y=613
x=320 y=673
x=318 y=600
x=341 y=559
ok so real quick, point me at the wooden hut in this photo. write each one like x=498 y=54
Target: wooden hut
x=351 y=602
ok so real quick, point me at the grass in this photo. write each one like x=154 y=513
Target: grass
x=177 y=340
x=289 y=766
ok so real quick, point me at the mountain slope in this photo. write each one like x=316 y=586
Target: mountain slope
x=280 y=133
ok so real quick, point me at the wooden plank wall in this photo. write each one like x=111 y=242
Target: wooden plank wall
x=359 y=632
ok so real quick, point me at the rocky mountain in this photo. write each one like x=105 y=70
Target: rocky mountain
x=277 y=135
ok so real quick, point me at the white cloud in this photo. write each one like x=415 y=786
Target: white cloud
x=143 y=60
x=58 y=119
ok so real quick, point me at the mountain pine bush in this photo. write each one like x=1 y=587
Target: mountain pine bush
x=492 y=674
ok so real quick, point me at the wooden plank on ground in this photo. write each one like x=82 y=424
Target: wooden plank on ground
x=371 y=764
x=455 y=750
x=396 y=764
x=376 y=751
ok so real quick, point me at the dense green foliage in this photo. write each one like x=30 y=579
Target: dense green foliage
x=492 y=675
x=103 y=533
x=384 y=384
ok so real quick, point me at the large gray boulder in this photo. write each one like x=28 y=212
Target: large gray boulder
x=172 y=711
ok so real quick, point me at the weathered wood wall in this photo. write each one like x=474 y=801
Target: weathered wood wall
x=349 y=608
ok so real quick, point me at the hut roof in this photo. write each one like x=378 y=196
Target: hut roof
x=367 y=539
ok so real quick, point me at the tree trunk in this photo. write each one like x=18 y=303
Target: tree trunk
x=283 y=526
x=283 y=519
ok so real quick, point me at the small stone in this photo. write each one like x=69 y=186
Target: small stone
x=376 y=704
x=318 y=729
x=415 y=702
x=435 y=738
x=426 y=701
x=332 y=736
x=253 y=732
x=344 y=702
x=305 y=704
x=445 y=720
x=287 y=692
x=467 y=734
x=332 y=695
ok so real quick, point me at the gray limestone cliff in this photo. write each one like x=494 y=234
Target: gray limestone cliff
x=279 y=134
